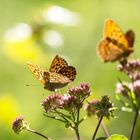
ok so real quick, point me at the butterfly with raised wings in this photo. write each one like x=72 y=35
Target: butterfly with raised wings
x=115 y=45
x=59 y=75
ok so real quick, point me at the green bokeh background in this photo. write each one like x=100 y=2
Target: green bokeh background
x=80 y=44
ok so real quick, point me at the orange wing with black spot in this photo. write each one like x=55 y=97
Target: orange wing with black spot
x=57 y=64
x=69 y=72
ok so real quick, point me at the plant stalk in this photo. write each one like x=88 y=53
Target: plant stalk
x=77 y=126
x=77 y=133
x=134 y=125
x=35 y=132
x=99 y=122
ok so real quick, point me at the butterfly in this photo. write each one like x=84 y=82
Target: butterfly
x=115 y=45
x=59 y=75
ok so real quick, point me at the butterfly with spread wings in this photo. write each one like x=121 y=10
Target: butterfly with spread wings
x=115 y=45
x=59 y=75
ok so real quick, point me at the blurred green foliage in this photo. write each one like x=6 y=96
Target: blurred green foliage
x=79 y=46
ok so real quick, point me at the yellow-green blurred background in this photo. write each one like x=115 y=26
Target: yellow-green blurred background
x=37 y=30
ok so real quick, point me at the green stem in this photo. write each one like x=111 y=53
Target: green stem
x=35 y=132
x=134 y=125
x=99 y=122
x=61 y=115
x=76 y=128
x=55 y=118
x=77 y=133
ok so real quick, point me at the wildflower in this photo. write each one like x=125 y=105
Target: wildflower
x=19 y=124
x=69 y=102
x=124 y=88
x=131 y=68
x=80 y=92
x=136 y=86
x=91 y=107
x=52 y=102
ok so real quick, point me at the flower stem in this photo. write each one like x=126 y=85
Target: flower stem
x=35 y=132
x=105 y=129
x=100 y=120
x=76 y=123
x=77 y=133
x=134 y=124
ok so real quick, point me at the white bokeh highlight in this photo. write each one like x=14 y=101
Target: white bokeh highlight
x=53 y=39
x=20 y=32
x=59 y=15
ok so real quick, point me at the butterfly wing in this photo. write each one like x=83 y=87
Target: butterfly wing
x=56 y=78
x=57 y=64
x=130 y=36
x=108 y=51
x=60 y=66
x=38 y=72
x=113 y=32
x=69 y=72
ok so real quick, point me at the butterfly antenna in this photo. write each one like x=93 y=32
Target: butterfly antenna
x=32 y=85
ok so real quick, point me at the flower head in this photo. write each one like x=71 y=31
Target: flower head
x=124 y=88
x=131 y=68
x=69 y=102
x=136 y=87
x=19 y=124
x=80 y=92
x=91 y=107
x=52 y=102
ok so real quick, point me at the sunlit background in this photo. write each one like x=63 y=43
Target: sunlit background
x=37 y=30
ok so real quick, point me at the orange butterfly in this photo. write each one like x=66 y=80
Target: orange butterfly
x=58 y=76
x=115 y=45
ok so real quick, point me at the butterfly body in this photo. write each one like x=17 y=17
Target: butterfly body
x=59 y=75
x=115 y=45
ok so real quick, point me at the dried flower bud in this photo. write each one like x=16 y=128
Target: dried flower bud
x=105 y=107
x=52 y=102
x=105 y=101
x=91 y=107
x=19 y=124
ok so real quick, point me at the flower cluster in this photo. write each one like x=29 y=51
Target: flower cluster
x=131 y=68
x=70 y=101
x=81 y=92
x=52 y=102
x=130 y=90
x=124 y=88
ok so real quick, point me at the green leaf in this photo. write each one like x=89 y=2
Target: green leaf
x=117 y=137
